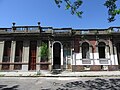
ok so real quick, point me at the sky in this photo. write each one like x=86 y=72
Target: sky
x=29 y=12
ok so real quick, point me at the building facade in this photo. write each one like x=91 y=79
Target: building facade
x=69 y=49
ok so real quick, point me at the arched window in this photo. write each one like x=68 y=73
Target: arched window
x=101 y=49
x=85 y=50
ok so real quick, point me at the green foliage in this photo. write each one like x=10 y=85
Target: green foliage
x=112 y=9
x=117 y=11
x=67 y=6
x=44 y=51
x=58 y=2
x=79 y=13
x=74 y=5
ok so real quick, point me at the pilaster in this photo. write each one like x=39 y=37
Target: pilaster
x=115 y=55
x=50 y=55
x=1 y=52
x=25 y=58
x=12 y=55
x=38 y=58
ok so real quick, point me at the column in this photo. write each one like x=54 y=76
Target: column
x=61 y=55
x=115 y=56
x=38 y=58
x=80 y=52
x=1 y=52
x=50 y=55
x=12 y=55
x=91 y=55
x=96 y=55
x=111 y=52
x=25 y=58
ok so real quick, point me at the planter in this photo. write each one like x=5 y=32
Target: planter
x=44 y=65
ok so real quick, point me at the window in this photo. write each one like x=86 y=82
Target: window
x=6 y=55
x=7 y=50
x=18 y=52
x=18 y=55
x=85 y=50
x=101 y=49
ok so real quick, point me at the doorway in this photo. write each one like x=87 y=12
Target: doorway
x=57 y=55
x=32 y=55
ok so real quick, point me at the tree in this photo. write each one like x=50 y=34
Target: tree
x=73 y=6
x=44 y=52
x=112 y=9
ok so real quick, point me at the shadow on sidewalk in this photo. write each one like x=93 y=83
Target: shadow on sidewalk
x=97 y=84
x=4 y=87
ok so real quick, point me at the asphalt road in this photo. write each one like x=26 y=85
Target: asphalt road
x=59 y=83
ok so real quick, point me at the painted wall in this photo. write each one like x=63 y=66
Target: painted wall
x=110 y=58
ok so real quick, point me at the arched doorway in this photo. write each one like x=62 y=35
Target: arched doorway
x=57 y=55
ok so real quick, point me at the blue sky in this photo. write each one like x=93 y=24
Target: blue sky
x=29 y=12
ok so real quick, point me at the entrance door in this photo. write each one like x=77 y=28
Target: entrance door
x=56 y=56
x=32 y=55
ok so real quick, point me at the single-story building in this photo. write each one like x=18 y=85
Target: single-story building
x=68 y=49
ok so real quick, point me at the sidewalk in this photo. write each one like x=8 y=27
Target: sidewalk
x=87 y=74
x=63 y=74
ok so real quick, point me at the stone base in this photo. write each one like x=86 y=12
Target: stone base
x=113 y=67
x=17 y=66
x=24 y=67
x=61 y=67
x=77 y=68
x=5 y=67
x=69 y=66
x=56 y=71
x=44 y=67
x=95 y=68
x=0 y=67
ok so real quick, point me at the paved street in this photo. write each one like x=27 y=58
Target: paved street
x=59 y=83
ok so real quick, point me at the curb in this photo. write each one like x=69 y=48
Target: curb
x=63 y=76
x=67 y=74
